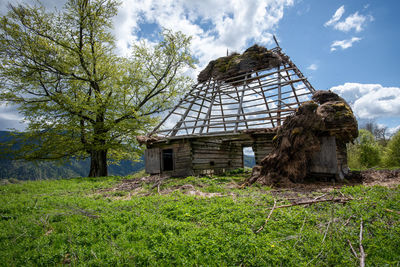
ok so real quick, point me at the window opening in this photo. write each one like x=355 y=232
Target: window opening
x=249 y=159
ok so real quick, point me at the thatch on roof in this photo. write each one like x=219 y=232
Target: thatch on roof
x=253 y=59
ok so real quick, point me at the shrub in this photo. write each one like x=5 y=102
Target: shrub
x=365 y=152
x=392 y=156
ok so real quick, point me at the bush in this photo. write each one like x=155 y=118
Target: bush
x=365 y=152
x=392 y=156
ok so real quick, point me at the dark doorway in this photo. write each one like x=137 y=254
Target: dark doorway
x=168 y=159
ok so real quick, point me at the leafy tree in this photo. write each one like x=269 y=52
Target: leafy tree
x=77 y=95
x=392 y=157
x=366 y=152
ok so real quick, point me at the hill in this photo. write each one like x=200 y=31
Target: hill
x=24 y=170
x=196 y=221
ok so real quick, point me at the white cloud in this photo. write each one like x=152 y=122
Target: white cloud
x=336 y=17
x=354 y=21
x=313 y=67
x=344 y=44
x=393 y=130
x=10 y=118
x=215 y=25
x=370 y=101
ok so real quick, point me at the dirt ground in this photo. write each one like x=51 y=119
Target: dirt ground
x=311 y=190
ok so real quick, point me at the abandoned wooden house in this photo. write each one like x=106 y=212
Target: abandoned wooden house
x=238 y=103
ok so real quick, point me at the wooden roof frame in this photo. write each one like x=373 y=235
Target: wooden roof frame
x=263 y=99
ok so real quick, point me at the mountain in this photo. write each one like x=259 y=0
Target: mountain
x=25 y=170
x=249 y=161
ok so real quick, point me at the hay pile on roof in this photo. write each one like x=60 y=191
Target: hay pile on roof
x=299 y=138
x=226 y=68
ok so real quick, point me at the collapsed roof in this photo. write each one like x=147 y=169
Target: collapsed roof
x=256 y=89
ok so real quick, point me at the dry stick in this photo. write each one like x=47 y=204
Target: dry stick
x=321 y=196
x=352 y=249
x=348 y=220
x=269 y=216
x=301 y=230
x=362 y=254
x=338 y=200
x=323 y=241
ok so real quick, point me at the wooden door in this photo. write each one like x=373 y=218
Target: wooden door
x=152 y=159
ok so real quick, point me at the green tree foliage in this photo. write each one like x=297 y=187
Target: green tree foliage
x=77 y=95
x=365 y=152
x=392 y=156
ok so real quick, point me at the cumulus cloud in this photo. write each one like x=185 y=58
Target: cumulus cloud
x=354 y=21
x=215 y=25
x=344 y=44
x=370 y=101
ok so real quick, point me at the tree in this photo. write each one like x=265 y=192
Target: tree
x=79 y=98
x=365 y=152
x=392 y=157
x=379 y=132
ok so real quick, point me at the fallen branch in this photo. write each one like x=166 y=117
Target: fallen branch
x=269 y=216
x=362 y=254
x=352 y=249
x=337 y=200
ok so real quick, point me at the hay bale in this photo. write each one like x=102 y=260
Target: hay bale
x=299 y=138
x=227 y=68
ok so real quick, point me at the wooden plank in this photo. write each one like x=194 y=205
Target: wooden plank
x=152 y=161
x=325 y=161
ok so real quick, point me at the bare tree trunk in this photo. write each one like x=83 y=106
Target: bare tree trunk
x=98 y=163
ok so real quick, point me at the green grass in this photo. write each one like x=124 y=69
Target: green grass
x=75 y=221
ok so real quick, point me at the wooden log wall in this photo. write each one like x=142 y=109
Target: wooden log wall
x=262 y=146
x=214 y=156
x=181 y=157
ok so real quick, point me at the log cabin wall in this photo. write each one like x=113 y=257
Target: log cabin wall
x=215 y=156
x=262 y=146
x=181 y=157
x=205 y=155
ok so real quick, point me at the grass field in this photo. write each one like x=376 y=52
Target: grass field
x=194 y=221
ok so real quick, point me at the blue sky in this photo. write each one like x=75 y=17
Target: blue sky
x=351 y=47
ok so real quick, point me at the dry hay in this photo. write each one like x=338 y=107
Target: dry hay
x=299 y=138
x=228 y=68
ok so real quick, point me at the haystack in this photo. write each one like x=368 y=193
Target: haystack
x=299 y=138
x=227 y=68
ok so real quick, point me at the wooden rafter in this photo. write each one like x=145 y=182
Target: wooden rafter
x=261 y=98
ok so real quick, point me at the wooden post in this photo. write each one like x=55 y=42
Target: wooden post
x=279 y=96
x=240 y=106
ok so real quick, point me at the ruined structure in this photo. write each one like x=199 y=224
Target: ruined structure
x=239 y=101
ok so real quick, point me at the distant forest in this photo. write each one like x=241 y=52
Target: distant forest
x=25 y=170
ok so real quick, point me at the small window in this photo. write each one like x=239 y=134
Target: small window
x=168 y=159
x=248 y=157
